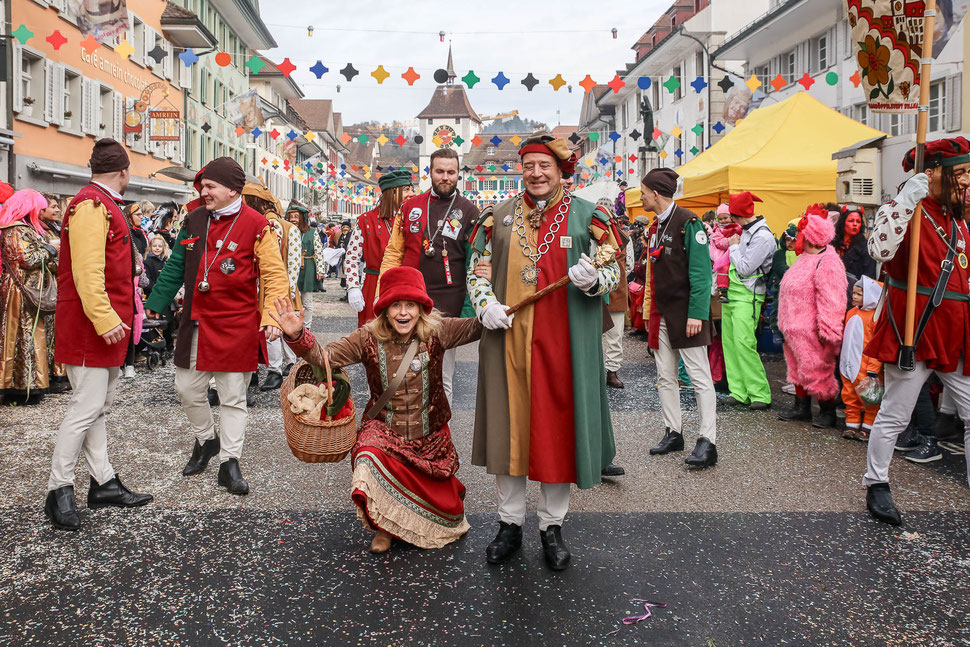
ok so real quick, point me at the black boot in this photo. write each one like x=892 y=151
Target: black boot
x=613 y=380
x=704 y=454
x=879 y=500
x=612 y=470
x=506 y=542
x=114 y=493
x=801 y=409
x=554 y=548
x=826 y=418
x=213 y=396
x=250 y=399
x=949 y=428
x=254 y=380
x=231 y=478
x=61 y=508
x=201 y=454
x=673 y=441
x=272 y=382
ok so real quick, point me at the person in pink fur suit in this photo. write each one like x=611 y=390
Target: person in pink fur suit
x=811 y=312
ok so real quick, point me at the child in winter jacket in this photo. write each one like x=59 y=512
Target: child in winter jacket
x=854 y=364
x=719 y=245
x=811 y=311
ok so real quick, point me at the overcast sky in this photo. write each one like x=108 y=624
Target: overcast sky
x=545 y=38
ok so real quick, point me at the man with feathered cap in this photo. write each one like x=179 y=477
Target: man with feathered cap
x=680 y=308
x=751 y=253
x=942 y=333
x=365 y=252
x=95 y=314
x=229 y=261
x=431 y=234
x=542 y=412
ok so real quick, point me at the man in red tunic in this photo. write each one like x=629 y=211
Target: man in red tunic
x=942 y=333
x=431 y=234
x=223 y=248
x=369 y=239
x=96 y=310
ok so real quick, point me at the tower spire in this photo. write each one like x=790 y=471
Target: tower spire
x=451 y=67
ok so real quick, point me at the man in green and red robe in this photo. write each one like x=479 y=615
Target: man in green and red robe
x=542 y=411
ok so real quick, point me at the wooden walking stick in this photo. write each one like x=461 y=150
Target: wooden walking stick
x=907 y=352
x=605 y=255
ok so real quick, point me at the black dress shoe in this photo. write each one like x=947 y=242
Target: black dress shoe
x=272 y=382
x=201 y=454
x=254 y=380
x=800 y=410
x=554 y=548
x=879 y=500
x=213 y=396
x=286 y=370
x=673 y=441
x=231 y=478
x=613 y=380
x=612 y=470
x=114 y=493
x=506 y=542
x=250 y=399
x=61 y=508
x=704 y=454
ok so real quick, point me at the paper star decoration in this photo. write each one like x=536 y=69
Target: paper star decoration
x=458 y=140
x=615 y=136
x=476 y=140
x=778 y=83
x=470 y=79
x=557 y=82
x=698 y=84
x=400 y=140
x=698 y=129
x=575 y=139
x=530 y=82
x=500 y=80
x=254 y=64
x=256 y=132
x=223 y=59
x=345 y=138
x=349 y=72
x=694 y=150
x=382 y=139
x=515 y=139
x=292 y=134
x=188 y=58
x=56 y=39
x=319 y=69
x=90 y=45
x=380 y=74
x=806 y=81
x=725 y=84
x=286 y=67
x=594 y=137
x=662 y=155
x=274 y=133
x=672 y=84
x=158 y=54
x=856 y=79
x=643 y=82
x=205 y=127
x=363 y=138
x=718 y=128
x=124 y=48
x=410 y=76
x=437 y=141
x=616 y=84
x=679 y=153
x=309 y=135
x=22 y=34
x=587 y=84
x=239 y=131
x=753 y=83
x=676 y=131
x=635 y=134
x=496 y=140
x=633 y=158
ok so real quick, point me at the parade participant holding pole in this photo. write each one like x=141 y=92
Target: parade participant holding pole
x=680 y=327
x=369 y=240
x=941 y=337
x=542 y=411
x=404 y=451
x=751 y=254
x=430 y=233
x=257 y=196
x=95 y=313
x=222 y=251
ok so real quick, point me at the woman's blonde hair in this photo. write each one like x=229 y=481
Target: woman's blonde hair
x=167 y=252
x=428 y=326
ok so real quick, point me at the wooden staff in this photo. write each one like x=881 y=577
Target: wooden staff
x=907 y=354
x=605 y=255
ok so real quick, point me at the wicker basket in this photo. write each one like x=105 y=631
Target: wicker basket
x=316 y=441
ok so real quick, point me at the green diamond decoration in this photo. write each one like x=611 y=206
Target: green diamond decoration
x=694 y=150
x=672 y=84
x=832 y=78
x=698 y=129
x=470 y=79
x=594 y=137
x=491 y=167
x=255 y=65
x=22 y=34
x=362 y=138
x=458 y=140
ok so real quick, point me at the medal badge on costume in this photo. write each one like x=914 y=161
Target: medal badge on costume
x=962 y=259
x=530 y=275
x=228 y=266
x=507 y=220
x=565 y=242
x=452 y=227
x=415 y=214
x=415 y=227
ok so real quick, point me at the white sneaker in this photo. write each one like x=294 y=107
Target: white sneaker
x=789 y=389
x=129 y=371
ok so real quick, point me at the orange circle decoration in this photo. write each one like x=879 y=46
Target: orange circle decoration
x=141 y=106
x=223 y=59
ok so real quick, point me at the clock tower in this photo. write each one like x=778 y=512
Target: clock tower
x=449 y=121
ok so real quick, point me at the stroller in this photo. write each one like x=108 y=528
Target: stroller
x=152 y=342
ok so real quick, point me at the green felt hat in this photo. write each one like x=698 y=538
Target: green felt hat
x=393 y=179
x=296 y=206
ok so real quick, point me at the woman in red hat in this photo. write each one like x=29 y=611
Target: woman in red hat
x=404 y=462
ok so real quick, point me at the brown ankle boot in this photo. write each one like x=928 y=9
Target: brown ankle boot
x=613 y=380
x=381 y=542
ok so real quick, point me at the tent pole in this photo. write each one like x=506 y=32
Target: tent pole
x=907 y=354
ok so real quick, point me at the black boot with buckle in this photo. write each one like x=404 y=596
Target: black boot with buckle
x=202 y=453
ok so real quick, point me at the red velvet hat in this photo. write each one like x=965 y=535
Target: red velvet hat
x=942 y=152
x=741 y=205
x=403 y=284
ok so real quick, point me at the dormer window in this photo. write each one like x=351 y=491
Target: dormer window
x=490 y=151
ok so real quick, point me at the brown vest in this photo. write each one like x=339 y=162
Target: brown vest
x=671 y=281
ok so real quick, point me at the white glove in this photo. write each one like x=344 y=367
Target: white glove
x=915 y=189
x=494 y=317
x=356 y=299
x=584 y=274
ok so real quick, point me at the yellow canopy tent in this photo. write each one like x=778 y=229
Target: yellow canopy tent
x=780 y=152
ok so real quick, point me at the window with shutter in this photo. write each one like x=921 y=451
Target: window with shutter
x=168 y=63
x=19 y=72
x=953 y=117
x=50 y=89
x=60 y=103
x=88 y=106
x=117 y=116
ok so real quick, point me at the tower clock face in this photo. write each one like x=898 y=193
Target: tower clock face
x=446 y=134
